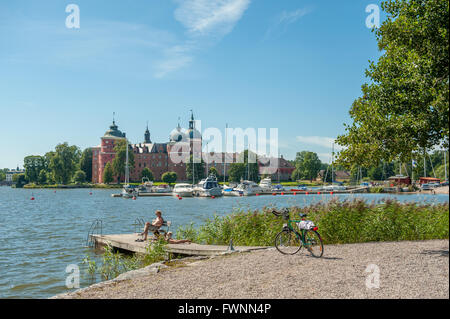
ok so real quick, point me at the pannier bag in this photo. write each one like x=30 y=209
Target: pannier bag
x=306 y=224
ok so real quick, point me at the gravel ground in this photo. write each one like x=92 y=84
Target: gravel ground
x=418 y=269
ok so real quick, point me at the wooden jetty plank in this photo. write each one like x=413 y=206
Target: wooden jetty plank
x=127 y=242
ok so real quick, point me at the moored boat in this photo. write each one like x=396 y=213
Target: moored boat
x=183 y=190
x=208 y=187
x=247 y=188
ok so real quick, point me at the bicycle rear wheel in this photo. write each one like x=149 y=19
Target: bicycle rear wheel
x=288 y=242
x=313 y=242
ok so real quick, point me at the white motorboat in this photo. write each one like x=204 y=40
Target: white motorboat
x=208 y=187
x=247 y=188
x=163 y=188
x=332 y=188
x=183 y=190
x=266 y=184
x=278 y=188
x=129 y=191
x=227 y=190
x=146 y=186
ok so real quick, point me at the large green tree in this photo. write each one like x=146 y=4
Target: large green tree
x=119 y=161
x=108 y=174
x=86 y=163
x=307 y=165
x=404 y=108
x=33 y=165
x=63 y=162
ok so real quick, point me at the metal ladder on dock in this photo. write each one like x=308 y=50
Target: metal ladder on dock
x=95 y=229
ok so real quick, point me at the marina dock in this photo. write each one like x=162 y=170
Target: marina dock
x=126 y=242
x=286 y=192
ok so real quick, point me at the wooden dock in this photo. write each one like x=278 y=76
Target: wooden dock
x=127 y=243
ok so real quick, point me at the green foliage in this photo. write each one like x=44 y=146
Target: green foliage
x=155 y=252
x=2 y=175
x=236 y=172
x=79 y=177
x=42 y=178
x=169 y=177
x=213 y=171
x=339 y=222
x=33 y=165
x=119 y=161
x=404 y=109
x=199 y=170
x=19 y=180
x=63 y=162
x=245 y=168
x=86 y=164
x=108 y=174
x=113 y=263
x=307 y=166
x=146 y=172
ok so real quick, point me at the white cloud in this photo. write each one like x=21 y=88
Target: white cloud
x=288 y=17
x=284 y=19
x=206 y=22
x=210 y=17
x=162 y=52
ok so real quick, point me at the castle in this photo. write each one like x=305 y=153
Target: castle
x=157 y=156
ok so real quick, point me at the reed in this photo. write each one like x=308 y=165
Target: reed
x=340 y=222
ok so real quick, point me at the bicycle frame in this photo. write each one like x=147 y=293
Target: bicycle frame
x=300 y=235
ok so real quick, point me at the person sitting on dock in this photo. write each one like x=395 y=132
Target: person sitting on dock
x=170 y=240
x=153 y=227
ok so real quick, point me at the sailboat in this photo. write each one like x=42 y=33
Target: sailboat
x=128 y=191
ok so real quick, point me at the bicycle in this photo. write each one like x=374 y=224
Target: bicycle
x=289 y=241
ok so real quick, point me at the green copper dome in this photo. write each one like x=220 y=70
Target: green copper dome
x=114 y=131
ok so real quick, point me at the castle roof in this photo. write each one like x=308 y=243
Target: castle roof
x=114 y=132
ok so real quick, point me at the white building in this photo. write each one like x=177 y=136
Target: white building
x=11 y=173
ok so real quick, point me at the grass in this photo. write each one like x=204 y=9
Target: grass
x=339 y=223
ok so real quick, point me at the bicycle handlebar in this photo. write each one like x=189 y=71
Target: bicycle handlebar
x=284 y=213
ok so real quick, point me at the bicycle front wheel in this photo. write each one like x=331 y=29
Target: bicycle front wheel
x=313 y=242
x=288 y=242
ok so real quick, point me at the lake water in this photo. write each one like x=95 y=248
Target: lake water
x=40 y=238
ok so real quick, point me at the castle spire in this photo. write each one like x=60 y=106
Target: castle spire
x=147 y=136
x=191 y=122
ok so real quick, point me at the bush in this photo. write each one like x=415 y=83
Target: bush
x=146 y=172
x=169 y=177
x=79 y=177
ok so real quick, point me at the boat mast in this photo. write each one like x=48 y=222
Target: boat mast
x=225 y=154
x=332 y=166
x=127 y=172
x=248 y=163
x=193 y=170
x=207 y=159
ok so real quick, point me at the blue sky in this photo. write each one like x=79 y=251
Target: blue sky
x=293 y=65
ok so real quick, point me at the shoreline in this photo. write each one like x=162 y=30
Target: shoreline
x=435 y=191
x=341 y=273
